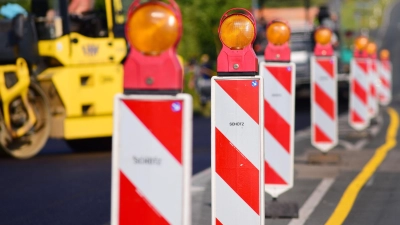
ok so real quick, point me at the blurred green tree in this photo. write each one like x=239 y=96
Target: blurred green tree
x=200 y=25
x=24 y=3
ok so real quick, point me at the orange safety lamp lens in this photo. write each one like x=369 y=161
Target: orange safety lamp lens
x=237 y=31
x=323 y=36
x=361 y=43
x=153 y=28
x=278 y=33
x=371 y=48
x=385 y=54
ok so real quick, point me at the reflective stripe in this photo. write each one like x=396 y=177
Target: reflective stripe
x=325 y=81
x=231 y=209
x=275 y=151
x=246 y=138
x=161 y=188
x=277 y=96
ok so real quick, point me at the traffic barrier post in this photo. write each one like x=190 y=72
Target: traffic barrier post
x=152 y=138
x=236 y=125
x=373 y=79
x=359 y=117
x=324 y=121
x=385 y=77
x=279 y=109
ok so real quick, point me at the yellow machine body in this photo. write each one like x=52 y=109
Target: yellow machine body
x=81 y=99
x=82 y=88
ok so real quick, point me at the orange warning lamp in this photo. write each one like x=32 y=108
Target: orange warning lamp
x=278 y=35
x=361 y=43
x=371 y=48
x=237 y=32
x=153 y=30
x=384 y=54
x=323 y=36
x=360 y=47
x=323 y=45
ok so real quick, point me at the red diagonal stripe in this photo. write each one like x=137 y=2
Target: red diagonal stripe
x=373 y=65
x=283 y=75
x=355 y=117
x=385 y=82
x=218 y=222
x=134 y=208
x=359 y=91
x=244 y=94
x=363 y=65
x=271 y=176
x=277 y=126
x=324 y=101
x=327 y=65
x=237 y=171
x=164 y=123
x=372 y=90
x=320 y=136
x=386 y=65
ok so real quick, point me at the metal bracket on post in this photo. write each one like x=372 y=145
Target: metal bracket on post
x=279 y=109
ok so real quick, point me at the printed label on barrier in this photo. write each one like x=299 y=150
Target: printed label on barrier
x=324 y=130
x=279 y=98
x=359 y=91
x=237 y=154
x=152 y=160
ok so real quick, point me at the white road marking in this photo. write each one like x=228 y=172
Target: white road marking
x=313 y=201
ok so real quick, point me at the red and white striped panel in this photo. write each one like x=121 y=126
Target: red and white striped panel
x=151 y=161
x=324 y=132
x=237 y=154
x=279 y=109
x=373 y=89
x=385 y=77
x=359 y=117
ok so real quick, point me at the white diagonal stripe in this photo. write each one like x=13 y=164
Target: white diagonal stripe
x=161 y=184
x=324 y=122
x=277 y=157
x=325 y=81
x=231 y=208
x=277 y=96
x=246 y=138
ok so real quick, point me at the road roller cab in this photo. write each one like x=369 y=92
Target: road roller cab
x=83 y=55
x=78 y=70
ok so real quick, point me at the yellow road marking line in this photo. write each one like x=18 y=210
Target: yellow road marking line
x=346 y=202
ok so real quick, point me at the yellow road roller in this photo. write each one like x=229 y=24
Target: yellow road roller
x=60 y=68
